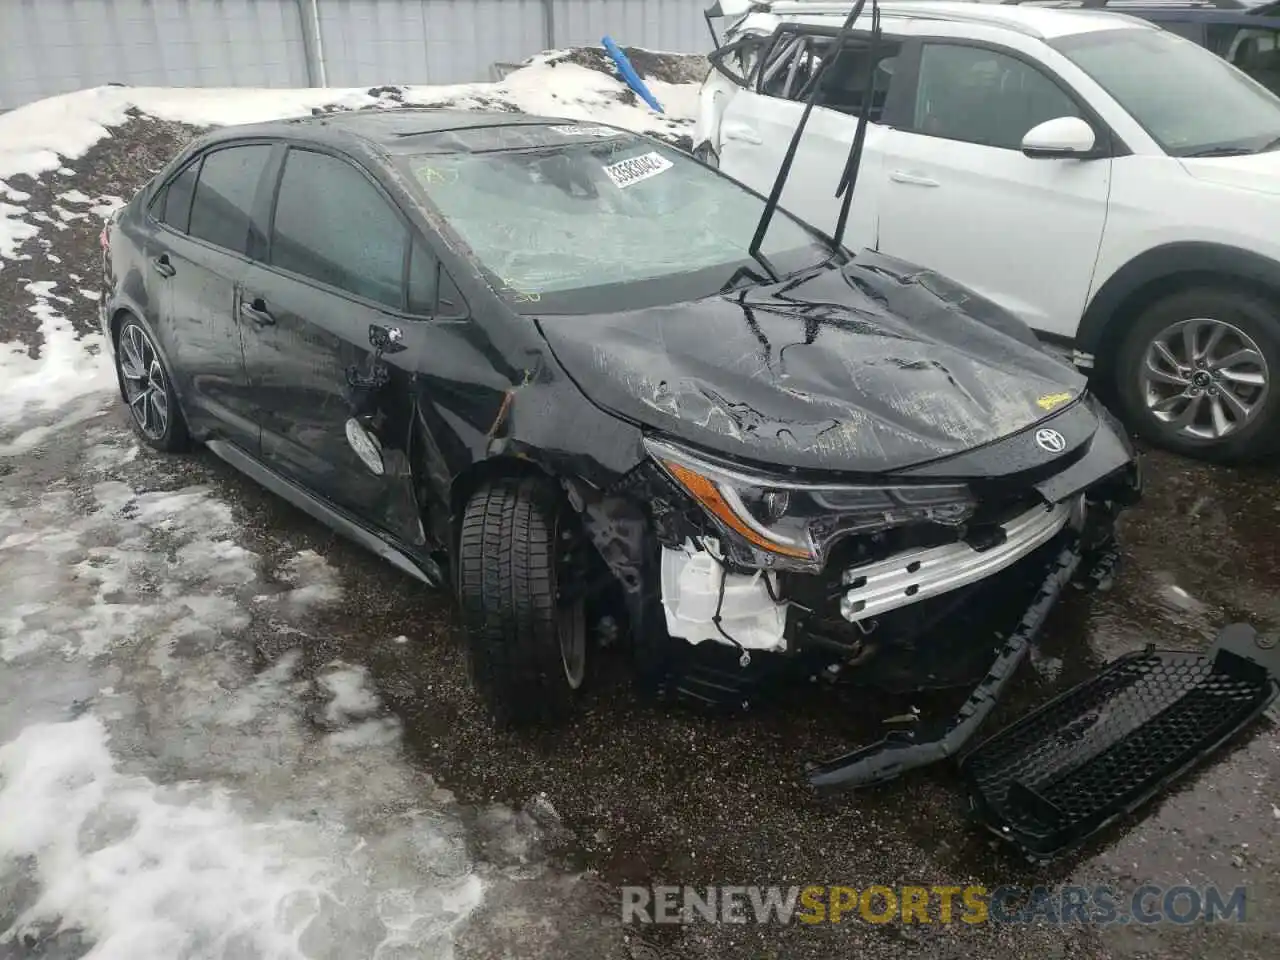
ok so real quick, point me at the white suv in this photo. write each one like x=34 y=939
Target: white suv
x=1113 y=185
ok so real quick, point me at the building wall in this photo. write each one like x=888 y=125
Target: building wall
x=55 y=46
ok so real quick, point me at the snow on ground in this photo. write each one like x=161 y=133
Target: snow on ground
x=174 y=781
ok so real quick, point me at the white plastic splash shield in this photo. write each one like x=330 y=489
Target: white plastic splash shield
x=691 y=584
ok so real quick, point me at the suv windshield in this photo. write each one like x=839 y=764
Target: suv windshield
x=609 y=222
x=1190 y=101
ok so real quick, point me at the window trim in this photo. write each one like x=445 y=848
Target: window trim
x=198 y=158
x=411 y=233
x=1109 y=143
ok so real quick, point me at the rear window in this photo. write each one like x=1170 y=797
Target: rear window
x=616 y=223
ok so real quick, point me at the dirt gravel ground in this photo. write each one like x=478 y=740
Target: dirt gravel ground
x=629 y=792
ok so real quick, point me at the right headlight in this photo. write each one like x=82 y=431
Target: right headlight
x=783 y=523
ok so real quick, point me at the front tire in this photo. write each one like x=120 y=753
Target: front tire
x=526 y=651
x=147 y=389
x=1196 y=374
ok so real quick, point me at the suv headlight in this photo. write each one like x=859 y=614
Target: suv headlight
x=783 y=523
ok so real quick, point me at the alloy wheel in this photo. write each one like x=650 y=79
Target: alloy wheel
x=143 y=378
x=1205 y=378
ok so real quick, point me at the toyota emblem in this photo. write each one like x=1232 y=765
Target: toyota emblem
x=1050 y=440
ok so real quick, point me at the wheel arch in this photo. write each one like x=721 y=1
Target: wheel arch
x=1162 y=271
x=118 y=317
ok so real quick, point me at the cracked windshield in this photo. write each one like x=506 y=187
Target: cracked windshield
x=548 y=222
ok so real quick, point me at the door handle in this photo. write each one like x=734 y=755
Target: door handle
x=256 y=310
x=163 y=266
x=901 y=176
x=740 y=131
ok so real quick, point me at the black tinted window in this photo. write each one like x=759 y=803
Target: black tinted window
x=224 y=195
x=175 y=209
x=981 y=96
x=333 y=225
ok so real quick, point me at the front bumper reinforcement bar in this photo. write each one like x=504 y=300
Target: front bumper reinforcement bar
x=901 y=751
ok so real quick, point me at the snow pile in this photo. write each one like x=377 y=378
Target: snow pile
x=63 y=373
x=186 y=805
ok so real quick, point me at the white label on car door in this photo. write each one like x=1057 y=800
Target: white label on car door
x=628 y=172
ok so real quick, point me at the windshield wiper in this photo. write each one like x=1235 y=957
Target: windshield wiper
x=1222 y=152
x=849 y=176
x=1268 y=146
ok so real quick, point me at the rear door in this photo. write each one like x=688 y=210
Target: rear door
x=757 y=125
x=202 y=252
x=342 y=269
x=962 y=199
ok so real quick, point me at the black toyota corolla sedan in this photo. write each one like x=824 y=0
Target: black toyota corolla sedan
x=538 y=361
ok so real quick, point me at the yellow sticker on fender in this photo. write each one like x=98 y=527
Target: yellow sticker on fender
x=1051 y=400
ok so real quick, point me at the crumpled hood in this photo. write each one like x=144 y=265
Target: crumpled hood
x=1259 y=172
x=874 y=367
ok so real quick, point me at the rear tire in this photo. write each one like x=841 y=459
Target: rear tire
x=1180 y=338
x=526 y=653
x=147 y=389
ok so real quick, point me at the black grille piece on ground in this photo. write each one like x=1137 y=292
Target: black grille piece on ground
x=1103 y=748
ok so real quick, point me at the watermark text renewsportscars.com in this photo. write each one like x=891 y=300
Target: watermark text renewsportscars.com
x=821 y=904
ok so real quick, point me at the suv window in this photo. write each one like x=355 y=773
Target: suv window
x=789 y=73
x=221 y=211
x=1190 y=101
x=982 y=96
x=174 y=208
x=331 y=224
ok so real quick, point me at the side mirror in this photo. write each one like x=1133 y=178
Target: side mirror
x=1062 y=137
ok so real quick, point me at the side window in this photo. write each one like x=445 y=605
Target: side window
x=331 y=224
x=424 y=272
x=847 y=86
x=174 y=208
x=982 y=96
x=221 y=210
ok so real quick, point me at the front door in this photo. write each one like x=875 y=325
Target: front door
x=332 y=287
x=961 y=198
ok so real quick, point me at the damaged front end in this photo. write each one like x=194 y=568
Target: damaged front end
x=897 y=584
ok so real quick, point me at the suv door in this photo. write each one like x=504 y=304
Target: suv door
x=962 y=199
x=342 y=267
x=203 y=215
x=757 y=124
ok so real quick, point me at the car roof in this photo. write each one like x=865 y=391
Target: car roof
x=1042 y=22
x=388 y=127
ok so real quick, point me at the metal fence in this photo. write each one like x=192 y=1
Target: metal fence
x=55 y=46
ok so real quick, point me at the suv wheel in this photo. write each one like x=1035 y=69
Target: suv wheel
x=1197 y=373
x=147 y=389
x=526 y=649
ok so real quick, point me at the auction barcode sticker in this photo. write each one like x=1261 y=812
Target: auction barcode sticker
x=581 y=131
x=626 y=172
